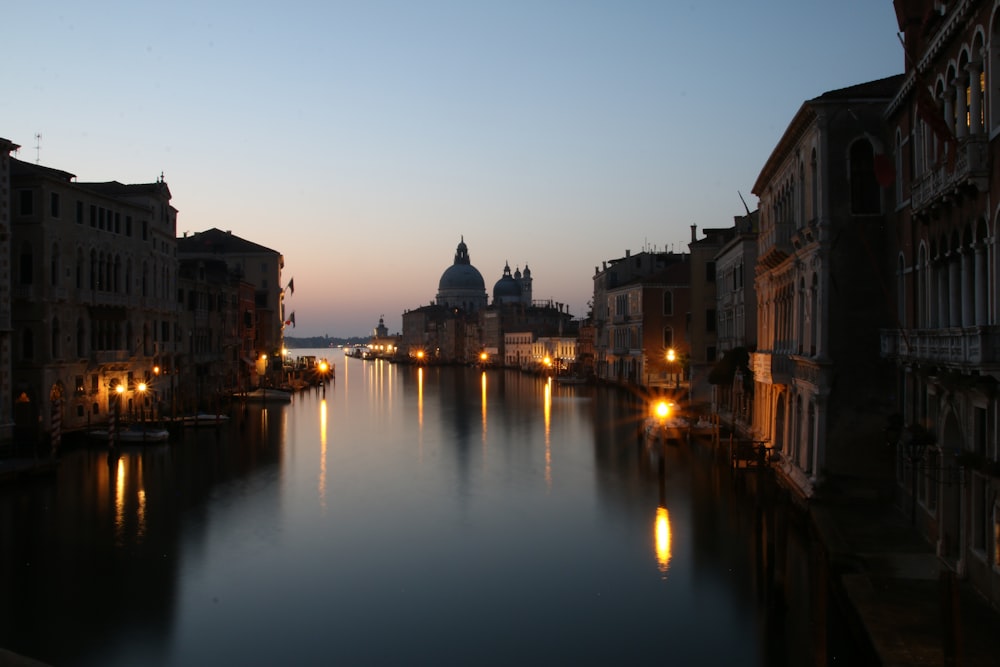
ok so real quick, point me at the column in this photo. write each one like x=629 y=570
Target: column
x=958 y=90
x=981 y=285
x=954 y=293
x=939 y=310
x=967 y=288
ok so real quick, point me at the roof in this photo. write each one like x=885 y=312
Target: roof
x=218 y=242
x=879 y=89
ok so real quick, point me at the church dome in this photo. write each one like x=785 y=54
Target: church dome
x=506 y=289
x=461 y=284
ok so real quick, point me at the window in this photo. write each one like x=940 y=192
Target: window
x=26 y=264
x=26 y=201
x=54 y=204
x=668 y=337
x=28 y=344
x=79 y=212
x=710 y=320
x=710 y=272
x=865 y=191
x=668 y=303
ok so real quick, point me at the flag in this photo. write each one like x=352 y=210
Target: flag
x=885 y=170
x=291 y=320
x=291 y=286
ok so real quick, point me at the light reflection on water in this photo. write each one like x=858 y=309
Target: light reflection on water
x=408 y=516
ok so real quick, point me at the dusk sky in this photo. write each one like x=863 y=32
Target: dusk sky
x=363 y=140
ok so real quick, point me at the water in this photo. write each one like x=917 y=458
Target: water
x=409 y=516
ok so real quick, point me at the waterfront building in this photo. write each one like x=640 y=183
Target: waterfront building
x=259 y=266
x=6 y=328
x=731 y=379
x=381 y=343
x=822 y=393
x=94 y=301
x=943 y=126
x=210 y=365
x=702 y=324
x=617 y=323
x=641 y=306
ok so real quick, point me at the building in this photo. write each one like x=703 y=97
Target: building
x=461 y=286
x=640 y=312
x=210 y=364
x=736 y=305
x=258 y=266
x=702 y=325
x=460 y=326
x=94 y=299
x=6 y=297
x=943 y=125
x=822 y=392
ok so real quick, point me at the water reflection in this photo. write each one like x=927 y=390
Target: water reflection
x=277 y=539
x=661 y=532
x=322 y=452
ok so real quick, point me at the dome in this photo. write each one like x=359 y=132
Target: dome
x=461 y=277
x=507 y=288
x=461 y=284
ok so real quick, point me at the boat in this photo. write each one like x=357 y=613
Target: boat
x=204 y=419
x=266 y=395
x=666 y=430
x=133 y=433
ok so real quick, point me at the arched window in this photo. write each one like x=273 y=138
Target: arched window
x=668 y=303
x=865 y=194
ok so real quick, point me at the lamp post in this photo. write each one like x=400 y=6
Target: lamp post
x=119 y=395
x=671 y=358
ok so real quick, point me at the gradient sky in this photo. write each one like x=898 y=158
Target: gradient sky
x=363 y=139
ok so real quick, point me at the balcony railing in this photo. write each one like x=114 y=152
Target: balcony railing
x=965 y=348
x=772 y=368
x=972 y=164
x=775 y=243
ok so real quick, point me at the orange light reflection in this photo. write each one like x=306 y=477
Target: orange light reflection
x=662 y=533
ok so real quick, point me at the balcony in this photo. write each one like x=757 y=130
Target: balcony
x=972 y=166
x=957 y=348
x=774 y=244
x=771 y=368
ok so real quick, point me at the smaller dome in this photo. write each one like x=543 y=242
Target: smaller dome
x=507 y=288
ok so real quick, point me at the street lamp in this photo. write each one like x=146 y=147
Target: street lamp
x=671 y=358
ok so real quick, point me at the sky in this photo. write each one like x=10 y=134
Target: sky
x=364 y=140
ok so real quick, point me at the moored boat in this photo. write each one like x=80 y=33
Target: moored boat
x=265 y=395
x=132 y=433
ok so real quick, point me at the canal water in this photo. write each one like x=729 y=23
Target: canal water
x=403 y=516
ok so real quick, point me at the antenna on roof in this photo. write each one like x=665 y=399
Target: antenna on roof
x=38 y=147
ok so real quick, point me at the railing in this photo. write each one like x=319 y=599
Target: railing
x=775 y=243
x=772 y=368
x=971 y=163
x=958 y=347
